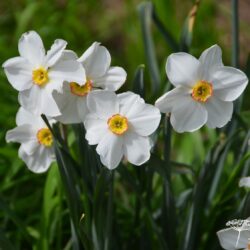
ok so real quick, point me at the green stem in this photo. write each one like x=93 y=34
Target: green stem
x=235 y=34
x=109 y=223
x=169 y=222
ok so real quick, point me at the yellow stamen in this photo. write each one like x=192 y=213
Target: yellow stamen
x=79 y=90
x=118 y=124
x=202 y=91
x=40 y=76
x=44 y=137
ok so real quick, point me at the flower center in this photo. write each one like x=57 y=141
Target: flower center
x=79 y=90
x=44 y=137
x=40 y=76
x=202 y=91
x=118 y=124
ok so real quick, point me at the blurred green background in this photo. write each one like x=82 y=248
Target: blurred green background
x=114 y=23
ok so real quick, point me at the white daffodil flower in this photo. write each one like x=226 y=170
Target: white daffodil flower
x=96 y=62
x=204 y=90
x=237 y=236
x=36 y=140
x=120 y=125
x=244 y=182
x=36 y=74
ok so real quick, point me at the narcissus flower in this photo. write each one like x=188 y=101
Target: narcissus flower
x=73 y=101
x=120 y=125
x=236 y=236
x=36 y=140
x=204 y=90
x=245 y=182
x=36 y=74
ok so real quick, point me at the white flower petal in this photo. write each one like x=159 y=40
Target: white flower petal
x=67 y=70
x=38 y=101
x=19 y=73
x=112 y=80
x=69 y=114
x=21 y=134
x=31 y=47
x=229 y=83
x=232 y=239
x=96 y=60
x=96 y=129
x=110 y=148
x=67 y=104
x=182 y=69
x=146 y=121
x=55 y=52
x=69 y=55
x=210 y=59
x=26 y=135
x=25 y=117
x=219 y=112
x=82 y=108
x=165 y=103
x=188 y=115
x=137 y=148
x=244 y=182
x=103 y=103
x=30 y=147
x=126 y=101
x=38 y=162
x=143 y=118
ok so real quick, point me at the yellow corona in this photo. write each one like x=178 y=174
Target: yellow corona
x=202 y=91
x=79 y=90
x=44 y=137
x=40 y=76
x=118 y=124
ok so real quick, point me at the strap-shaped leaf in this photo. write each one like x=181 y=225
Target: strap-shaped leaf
x=187 y=31
x=146 y=11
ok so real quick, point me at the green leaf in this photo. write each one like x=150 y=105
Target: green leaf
x=25 y=17
x=51 y=200
x=245 y=116
x=187 y=31
x=165 y=33
x=9 y=213
x=66 y=166
x=99 y=212
x=201 y=190
x=5 y=243
x=145 y=12
x=138 y=82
